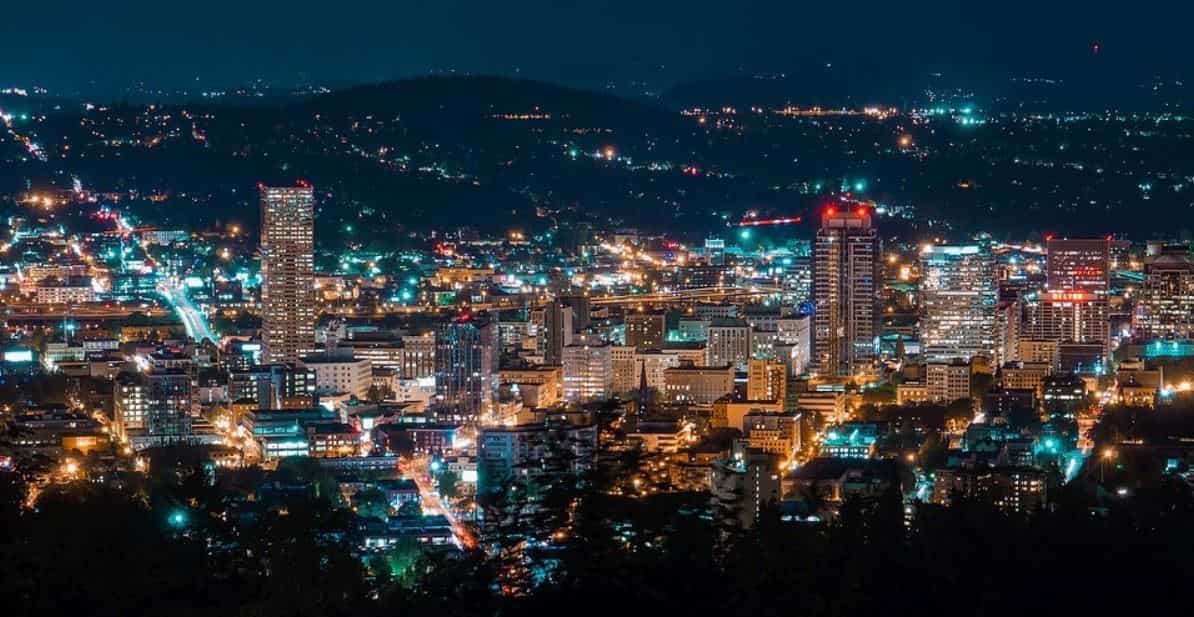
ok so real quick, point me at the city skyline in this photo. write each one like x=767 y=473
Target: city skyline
x=463 y=309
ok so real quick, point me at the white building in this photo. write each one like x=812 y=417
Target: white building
x=728 y=344
x=947 y=382
x=957 y=299
x=588 y=372
x=341 y=375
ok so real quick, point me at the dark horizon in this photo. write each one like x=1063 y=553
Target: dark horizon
x=102 y=50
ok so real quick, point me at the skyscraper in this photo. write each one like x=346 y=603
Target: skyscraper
x=579 y=303
x=1074 y=305
x=1166 y=304
x=287 y=272
x=169 y=399
x=558 y=326
x=466 y=365
x=957 y=300
x=846 y=292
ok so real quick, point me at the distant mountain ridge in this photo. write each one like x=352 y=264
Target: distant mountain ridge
x=480 y=98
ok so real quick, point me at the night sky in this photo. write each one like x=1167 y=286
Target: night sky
x=104 y=46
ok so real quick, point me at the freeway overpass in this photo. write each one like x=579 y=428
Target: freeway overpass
x=698 y=294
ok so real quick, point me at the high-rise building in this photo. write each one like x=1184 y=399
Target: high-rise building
x=846 y=292
x=796 y=273
x=157 y=404
x=540 y=450
x=466 y=365
x=1074 y=305
x=649 y=366
x=793 y=343
x=558 y=326
x=169 y=399
x=624 y=368
x=287 y=272
x=579 y=304
x=728 y=344
x=947 y=381
x=1079 y=265
x=418 y=356
x=1165 y=307
x=129 y=403
x=274 y=386
x=743 y=486
x=958 y=301
x=766 y=380
x=588 y=372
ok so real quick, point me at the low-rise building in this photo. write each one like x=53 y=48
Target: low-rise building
x=698 y=385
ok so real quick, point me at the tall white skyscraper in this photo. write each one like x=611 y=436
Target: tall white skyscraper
x=846 y=290
x=288 y=272
x=957 y=303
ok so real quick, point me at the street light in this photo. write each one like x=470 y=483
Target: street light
x=1107 y=455
x=178 y=518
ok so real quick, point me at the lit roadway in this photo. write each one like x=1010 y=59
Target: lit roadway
x=688 y=295
x=193 y=320
x=416 y=469
x=20 y=310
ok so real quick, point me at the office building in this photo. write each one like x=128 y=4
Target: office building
x=341 y=374
x=273 y=386
x=846 y=292
x=645 y=330
x=588 y=372
x=728 y=343
x=773 y=433
x=287 y=272
x=169 y=402
x=957 y=303
x=558 y=324
x=698 y=385
x=129 y=403
x=766 y=380
x=743 y=485
x=624 y=367
x=650 y=366
x=538 y=451
x=1165 y=306
x=1074 y=305
x=946 y=382
x=466 y=366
